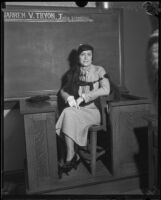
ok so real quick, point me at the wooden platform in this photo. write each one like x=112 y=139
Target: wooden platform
x=78 y=178
x=126 y=140
x=69 y=185
x=81 y=181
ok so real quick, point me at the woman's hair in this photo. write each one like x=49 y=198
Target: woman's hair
x=84 y=47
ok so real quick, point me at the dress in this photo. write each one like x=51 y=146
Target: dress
x=76 y=122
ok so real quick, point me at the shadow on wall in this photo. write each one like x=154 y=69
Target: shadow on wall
x=136 y=35
x=14 y=140
x=141 y=157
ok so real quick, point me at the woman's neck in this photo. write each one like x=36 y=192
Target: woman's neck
x=86 y=67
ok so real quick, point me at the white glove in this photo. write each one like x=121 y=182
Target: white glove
x=71 y=101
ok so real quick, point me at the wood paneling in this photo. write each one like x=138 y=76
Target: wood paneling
x=41 y=146
x=129 y=137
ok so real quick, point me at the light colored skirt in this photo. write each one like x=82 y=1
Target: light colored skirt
x=76 y=122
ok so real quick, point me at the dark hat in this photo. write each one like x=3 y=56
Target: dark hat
x=84 y=47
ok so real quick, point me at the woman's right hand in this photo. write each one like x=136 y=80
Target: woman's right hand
x=71 y=101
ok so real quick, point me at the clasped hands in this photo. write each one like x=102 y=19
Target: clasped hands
x=74 y=103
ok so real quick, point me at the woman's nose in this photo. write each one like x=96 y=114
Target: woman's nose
x=86 y=56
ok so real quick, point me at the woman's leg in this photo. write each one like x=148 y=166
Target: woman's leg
x=70 y=148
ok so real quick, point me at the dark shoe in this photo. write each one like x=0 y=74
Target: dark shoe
x=69 y=165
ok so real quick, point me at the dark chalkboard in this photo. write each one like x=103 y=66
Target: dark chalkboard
x=37 y=46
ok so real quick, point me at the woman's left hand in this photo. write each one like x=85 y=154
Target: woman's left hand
x=79 y=101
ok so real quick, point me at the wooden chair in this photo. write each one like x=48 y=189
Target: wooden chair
x=92 y=149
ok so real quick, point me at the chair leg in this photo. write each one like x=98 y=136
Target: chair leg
x=93 y=141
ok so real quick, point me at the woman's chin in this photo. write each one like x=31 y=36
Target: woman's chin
x=86 y=64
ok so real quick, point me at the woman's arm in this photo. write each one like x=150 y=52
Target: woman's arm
x=64 y=95
x=65 y=91
x=68 y=98
x=104 y=88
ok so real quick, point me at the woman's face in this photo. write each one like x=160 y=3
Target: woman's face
x=85 y=58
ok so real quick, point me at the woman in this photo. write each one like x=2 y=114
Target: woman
x=86 y=83
x=152 y=67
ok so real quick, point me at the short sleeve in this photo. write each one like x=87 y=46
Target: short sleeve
x=101 y=72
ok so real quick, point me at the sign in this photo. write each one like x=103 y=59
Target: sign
x=43 y=16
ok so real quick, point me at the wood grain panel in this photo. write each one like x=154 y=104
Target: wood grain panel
x=129 y=139
x=41 y=149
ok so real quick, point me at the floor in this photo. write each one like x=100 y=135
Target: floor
x=124 y=186
x=120 y=190
x=116 y=187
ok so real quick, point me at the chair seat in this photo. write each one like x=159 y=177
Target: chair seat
x=94 y=128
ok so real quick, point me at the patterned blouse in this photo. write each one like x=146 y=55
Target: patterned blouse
x=92 y=73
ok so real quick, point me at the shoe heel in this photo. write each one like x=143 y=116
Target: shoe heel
x=60 y=175
x=75 y=167
x=60 y=172
x=67 y=173
x=76 y=164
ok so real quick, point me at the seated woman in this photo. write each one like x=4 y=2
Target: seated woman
x=86 y=83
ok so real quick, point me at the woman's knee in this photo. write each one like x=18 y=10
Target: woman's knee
x=68 y=111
